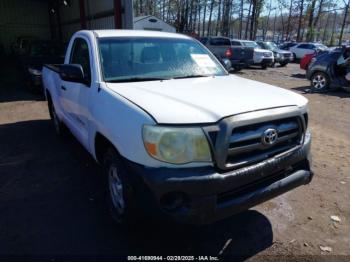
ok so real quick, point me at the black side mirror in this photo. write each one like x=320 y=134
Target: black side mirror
x=73 y=73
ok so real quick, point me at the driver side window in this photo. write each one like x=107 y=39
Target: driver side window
x=80 y=55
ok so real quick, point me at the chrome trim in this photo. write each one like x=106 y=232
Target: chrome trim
x=221 y=146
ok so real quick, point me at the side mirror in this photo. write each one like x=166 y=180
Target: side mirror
x=226 y=63
x=73 y=73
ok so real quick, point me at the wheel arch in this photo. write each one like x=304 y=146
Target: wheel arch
x=101 y=145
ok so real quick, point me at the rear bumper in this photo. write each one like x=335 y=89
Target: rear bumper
x=35 y=80
x=283 y=59
x=241 y=63
x=202 y=196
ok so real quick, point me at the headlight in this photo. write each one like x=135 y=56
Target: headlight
x=278 y=55
x=34 y=71
x=176 y=145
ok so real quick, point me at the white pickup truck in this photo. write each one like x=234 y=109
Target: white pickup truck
x=177 y=135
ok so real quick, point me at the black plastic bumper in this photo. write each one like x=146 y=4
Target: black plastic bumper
x=241 y=63
x=35 y=80
x=284 y=59
x=267 y=61
x=202 y=195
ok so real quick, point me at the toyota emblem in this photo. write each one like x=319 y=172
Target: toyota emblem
x=269 y=137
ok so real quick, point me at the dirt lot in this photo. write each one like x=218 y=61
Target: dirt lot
x=52 y=202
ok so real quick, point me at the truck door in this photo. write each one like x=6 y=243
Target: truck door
x=75 y=95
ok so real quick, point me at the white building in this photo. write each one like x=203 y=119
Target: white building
x=153 y=23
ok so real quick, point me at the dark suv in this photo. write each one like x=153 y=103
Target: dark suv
x=282 y=57
x=325 y=74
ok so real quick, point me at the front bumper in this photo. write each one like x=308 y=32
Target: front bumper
x=283 y=59
x=264 y=61
x=35 y=80
x=202 y=195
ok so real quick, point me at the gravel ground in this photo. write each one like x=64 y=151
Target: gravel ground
x=52 y=202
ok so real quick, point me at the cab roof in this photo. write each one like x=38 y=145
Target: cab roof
x=137 y=33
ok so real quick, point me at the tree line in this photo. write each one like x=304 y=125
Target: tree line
x=300 y=20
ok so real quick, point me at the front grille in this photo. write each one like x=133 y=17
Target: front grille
x=246 y=145
x=287 y=55
x=267 y=54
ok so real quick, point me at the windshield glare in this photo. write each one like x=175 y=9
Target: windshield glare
x=271 y=46
x=250 y=44
x=155 y=58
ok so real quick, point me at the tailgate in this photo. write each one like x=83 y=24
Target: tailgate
x=242 y=53
x=219 y=50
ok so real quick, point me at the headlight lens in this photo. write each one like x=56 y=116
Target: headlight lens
x=34 y=71
x=176 y=145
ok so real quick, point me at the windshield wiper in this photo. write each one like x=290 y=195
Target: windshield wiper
x=136 y=79
x=190 y=76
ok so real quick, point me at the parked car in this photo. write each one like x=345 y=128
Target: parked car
x=239 y=57
x=280 y=56
x=287 y=45
x=21 y=45
x=262 y=57
x=306 y=60
x=176 y=134
x=39 y=53
x=324 y=73
x=302 y=49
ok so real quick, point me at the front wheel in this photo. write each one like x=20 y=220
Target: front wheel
x=319 y=82
x=236 y=68
x=264 y=66
x=119 y=191
x=283 y=64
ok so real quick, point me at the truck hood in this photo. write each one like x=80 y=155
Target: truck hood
x=259 y=50
x=204 y=100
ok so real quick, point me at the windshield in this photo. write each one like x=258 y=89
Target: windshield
x=250 y=44
x=271 y=46
x=146 y=58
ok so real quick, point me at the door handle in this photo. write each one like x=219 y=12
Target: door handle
x=63 y=88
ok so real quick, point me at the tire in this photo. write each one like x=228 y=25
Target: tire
x=57 y=123
x=283 y=64
x=236 y=68
x=295 y=58
x=120 y=197
x=30 y=86
x=319 y=82
x=264 y=66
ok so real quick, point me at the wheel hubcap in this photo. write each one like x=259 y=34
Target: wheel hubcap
x=116 y=189
x=319 y=82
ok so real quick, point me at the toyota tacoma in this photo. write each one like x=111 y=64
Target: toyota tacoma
x=177 y=136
